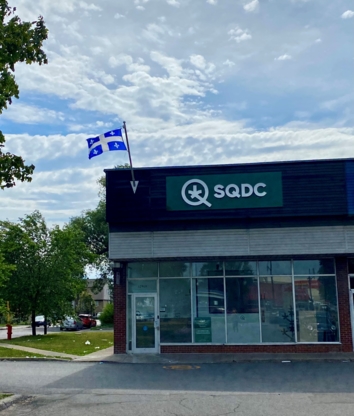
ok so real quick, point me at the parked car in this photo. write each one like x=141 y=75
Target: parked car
x=71 y=322
x=87 y=320
x=40 y=321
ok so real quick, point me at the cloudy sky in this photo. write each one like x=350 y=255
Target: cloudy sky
x=197 y=82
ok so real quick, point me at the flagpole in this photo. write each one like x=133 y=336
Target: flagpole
x=130 y=157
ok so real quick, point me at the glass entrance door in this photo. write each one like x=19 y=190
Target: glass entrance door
x=145 y=323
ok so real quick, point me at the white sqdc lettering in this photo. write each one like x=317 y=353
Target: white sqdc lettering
x=233 y=190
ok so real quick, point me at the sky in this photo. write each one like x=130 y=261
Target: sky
x=197 y=82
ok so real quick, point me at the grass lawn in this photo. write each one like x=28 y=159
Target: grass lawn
x=3 y=396
x=8 y=353
x=67 y=342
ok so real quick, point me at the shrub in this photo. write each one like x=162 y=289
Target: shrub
x=106 y=316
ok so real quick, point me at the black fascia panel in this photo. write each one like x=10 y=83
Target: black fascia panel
x=310 y=189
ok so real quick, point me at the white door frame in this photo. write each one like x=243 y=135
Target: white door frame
x=351 y=296
x=136 y=350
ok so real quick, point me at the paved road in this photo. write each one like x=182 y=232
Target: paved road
x=249 y=389
x=22 y=331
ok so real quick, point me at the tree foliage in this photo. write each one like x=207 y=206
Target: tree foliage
x=49 y=263
x=19 y=42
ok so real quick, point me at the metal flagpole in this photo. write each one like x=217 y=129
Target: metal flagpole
x=133 y=183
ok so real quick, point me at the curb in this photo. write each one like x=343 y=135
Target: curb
x=9 y=401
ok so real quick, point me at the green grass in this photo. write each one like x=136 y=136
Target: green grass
x=102 y=327
x=67 y=342
x=8 y=353
x=3 y=396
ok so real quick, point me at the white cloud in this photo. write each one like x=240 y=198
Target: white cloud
x=86 y=6
x=213 y=2
x=174 y=3
x=239 y=35
x=253 y=6
x=26 y=114
x=318 y=40
x=284 y=57
x=119 y=16
x=229 y=63
x=198 y=61
x=348 y=14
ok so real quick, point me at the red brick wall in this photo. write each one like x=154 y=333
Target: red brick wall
x=120 y=308
x=343 y=304
x=250 y=348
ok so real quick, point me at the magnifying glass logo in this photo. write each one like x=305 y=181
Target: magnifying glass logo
x=196 y=193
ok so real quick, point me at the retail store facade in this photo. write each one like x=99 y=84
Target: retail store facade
x=233 y=258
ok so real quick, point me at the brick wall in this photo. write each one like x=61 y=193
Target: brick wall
x=343 y=304
x=120 y=308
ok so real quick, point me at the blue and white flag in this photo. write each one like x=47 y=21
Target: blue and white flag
x=107 y=142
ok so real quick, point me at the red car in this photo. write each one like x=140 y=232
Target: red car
x=87 y=320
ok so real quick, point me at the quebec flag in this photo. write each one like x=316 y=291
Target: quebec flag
x=107 y=142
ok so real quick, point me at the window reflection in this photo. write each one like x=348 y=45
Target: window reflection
x=209 y=310
x=316 y=308
x=175 y=310
x=242 y=310
x=277 y=312
x=240 y=268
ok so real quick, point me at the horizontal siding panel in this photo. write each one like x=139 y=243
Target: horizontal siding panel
x=219 y=243
x=319 y=240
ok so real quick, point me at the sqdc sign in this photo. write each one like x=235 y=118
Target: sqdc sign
x=252 y=190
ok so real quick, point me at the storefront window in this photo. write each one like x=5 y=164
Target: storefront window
x=240 y=268
x=242 y=310
x=175 y=311
x=208 y=269
x=274 y=268
x=136 y=270
x=142 y=286
x=306 y=267
x=175 y=269
x=277 y=311
x=316 y=308
x=209 y=310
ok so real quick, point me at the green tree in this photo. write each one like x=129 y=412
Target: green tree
x=5 y=272
x=19 y=42
x=50 y=266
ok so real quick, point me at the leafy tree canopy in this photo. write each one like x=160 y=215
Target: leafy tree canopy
x=19 y=42
x=50 y=266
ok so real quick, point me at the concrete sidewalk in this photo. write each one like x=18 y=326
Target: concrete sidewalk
x=37 y=351
x=107 y=356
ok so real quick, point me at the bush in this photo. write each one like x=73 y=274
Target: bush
x=106 y=316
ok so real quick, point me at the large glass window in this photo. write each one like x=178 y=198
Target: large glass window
x=209 y=310
x=136 y=270
x=142 y=286
x=306 y=267
x=175 y=269
x=316 y=308
x=240 y=268
x=242 y=310
x=277 y=310
x=275 y=268
x=212 y=268
x=175 y=310
x=240 y=301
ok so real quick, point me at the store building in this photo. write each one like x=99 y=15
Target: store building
x=233 y=258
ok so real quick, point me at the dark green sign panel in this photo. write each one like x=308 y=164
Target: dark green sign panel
x=206 y=192
x=202 y=329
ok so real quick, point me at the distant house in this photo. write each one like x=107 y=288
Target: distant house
x=101 y=298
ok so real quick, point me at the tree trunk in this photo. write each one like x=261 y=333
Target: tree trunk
x=34 y=323
x=45 y=325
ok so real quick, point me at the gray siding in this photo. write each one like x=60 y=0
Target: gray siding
x=253 y=242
